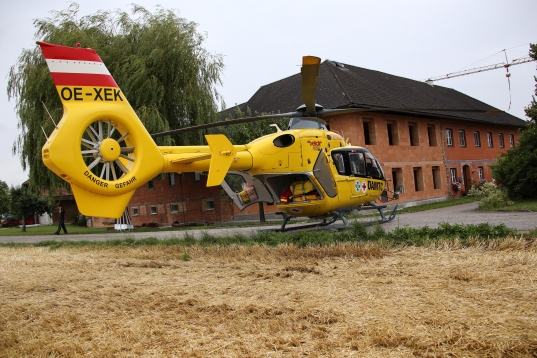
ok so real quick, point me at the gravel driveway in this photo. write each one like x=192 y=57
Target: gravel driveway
x=457 y=214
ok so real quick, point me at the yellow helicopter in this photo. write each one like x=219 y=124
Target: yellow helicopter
x=103 y=150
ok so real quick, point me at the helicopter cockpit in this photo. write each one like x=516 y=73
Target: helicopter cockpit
x=357 y=162
x=301 y=123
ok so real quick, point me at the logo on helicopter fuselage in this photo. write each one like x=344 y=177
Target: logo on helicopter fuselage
x=365 y=185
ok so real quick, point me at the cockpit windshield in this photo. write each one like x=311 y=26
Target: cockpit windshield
x=300 y=123
x=357 y=162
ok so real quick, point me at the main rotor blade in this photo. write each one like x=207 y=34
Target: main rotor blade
x=310 y=74
x=327 y=112
x=225 y=123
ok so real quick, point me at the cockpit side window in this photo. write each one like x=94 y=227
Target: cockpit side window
x=339 y=162
x=373 y=168
x=357 y=163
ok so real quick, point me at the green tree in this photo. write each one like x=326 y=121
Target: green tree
x=156 y=58
x=4 y=197
x=25 y=202
x=531 y=110
x=516 y=169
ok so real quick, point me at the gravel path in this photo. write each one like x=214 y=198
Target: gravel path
x=458 y=214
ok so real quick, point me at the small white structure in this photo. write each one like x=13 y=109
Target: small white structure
x=45 y=219
x=124 y=222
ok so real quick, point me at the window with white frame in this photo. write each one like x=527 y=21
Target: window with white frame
x=462 y=138
x=449 y=136
x=500 y=136
x=453 y=172
x=134 y=211
x=481 y=174
x=153 y=210
x=171 y=179
x=489 y=139
x=477 y=139
x=511 y=140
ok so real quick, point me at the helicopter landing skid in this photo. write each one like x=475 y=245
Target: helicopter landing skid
x=340 y=214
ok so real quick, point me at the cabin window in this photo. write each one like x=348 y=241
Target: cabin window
x=339 y=162
x=372 y=166
x=357 y=164
x=431 y=133
x=449 y=137
x=437 y=178
x=477 y=139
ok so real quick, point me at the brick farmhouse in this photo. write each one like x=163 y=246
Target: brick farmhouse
x=435 y=155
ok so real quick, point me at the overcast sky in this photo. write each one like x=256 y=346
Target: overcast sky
x=264 y=41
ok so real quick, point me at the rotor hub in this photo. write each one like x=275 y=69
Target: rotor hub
x=110 y=149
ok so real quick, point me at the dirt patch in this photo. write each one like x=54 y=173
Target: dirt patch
x=343 y=300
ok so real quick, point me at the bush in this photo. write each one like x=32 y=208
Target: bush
x=493 y=197
x=81 y=220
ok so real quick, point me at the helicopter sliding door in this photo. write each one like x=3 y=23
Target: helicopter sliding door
x=245 y=190
x=322 y=173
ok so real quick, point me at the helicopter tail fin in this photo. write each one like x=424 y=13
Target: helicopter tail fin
x=222 y=155
x=100 y=146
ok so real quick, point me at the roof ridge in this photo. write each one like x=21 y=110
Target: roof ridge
x=345 y=93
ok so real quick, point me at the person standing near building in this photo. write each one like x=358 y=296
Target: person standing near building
x=61 y=224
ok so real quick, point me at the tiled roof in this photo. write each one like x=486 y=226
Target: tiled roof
x=342 y=86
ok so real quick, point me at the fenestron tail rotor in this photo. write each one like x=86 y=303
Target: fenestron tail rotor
x=105 y=151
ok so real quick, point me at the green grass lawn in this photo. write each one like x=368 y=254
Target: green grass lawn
x=522 y=205
x=50 y=229
x=441 y=204
x=525 y=205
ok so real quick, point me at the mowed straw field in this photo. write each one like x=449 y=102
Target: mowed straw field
x=342 y=300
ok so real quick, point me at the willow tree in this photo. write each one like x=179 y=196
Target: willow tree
x=156 y=58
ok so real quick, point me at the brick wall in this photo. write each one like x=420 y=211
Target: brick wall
x=183 y=200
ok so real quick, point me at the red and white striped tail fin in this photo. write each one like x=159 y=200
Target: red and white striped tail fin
x=75 y=66
x=99 y=146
